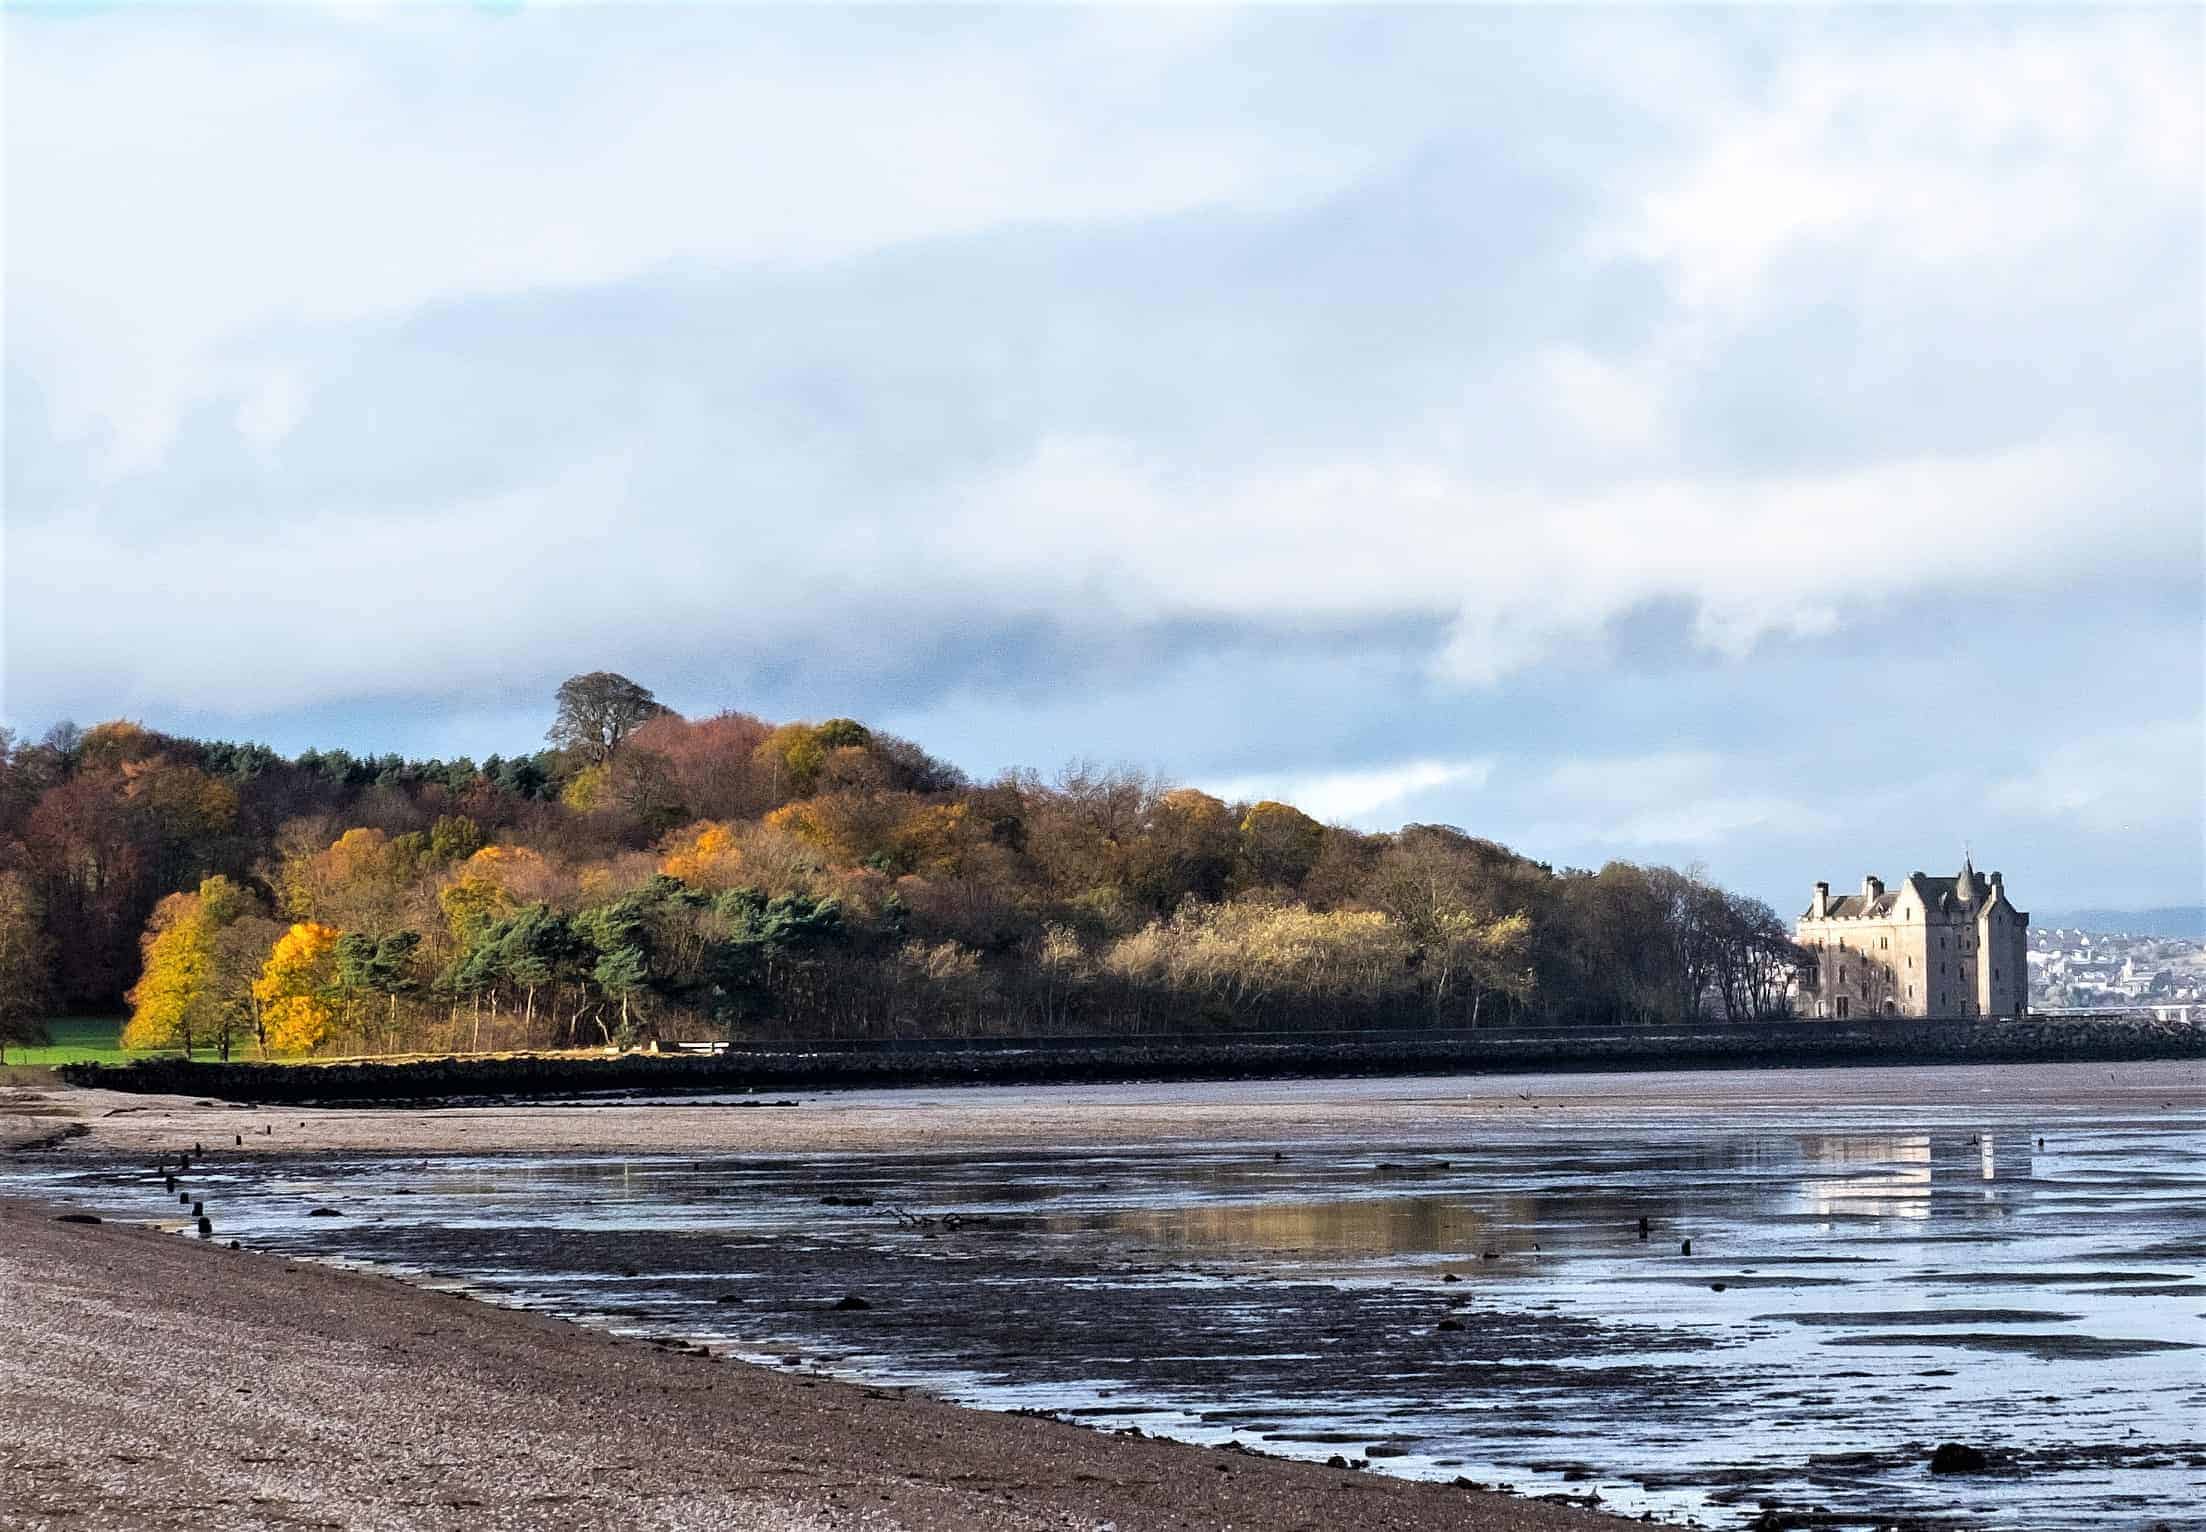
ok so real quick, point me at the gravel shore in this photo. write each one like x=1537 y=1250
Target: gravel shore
x=149 y=1381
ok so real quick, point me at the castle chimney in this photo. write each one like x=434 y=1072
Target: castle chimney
x=1822 y=905
x=1872 y=887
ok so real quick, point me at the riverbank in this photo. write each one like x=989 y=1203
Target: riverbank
x=1067 y=1061
x=151 y=1381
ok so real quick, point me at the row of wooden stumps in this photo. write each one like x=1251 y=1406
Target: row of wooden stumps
x=183 y=1163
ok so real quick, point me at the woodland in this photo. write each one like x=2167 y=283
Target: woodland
x=652 y=876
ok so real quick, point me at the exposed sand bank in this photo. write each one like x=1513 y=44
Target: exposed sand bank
x=153 y=1381
x=922 y=1119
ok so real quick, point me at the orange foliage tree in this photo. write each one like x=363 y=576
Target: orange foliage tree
x=704 y=856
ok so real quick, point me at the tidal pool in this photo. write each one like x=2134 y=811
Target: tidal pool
x=1857 y=1290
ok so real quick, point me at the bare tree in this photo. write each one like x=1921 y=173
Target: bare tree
x=599 y=710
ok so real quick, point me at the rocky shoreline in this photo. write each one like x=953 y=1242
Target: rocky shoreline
x=1096 y=1061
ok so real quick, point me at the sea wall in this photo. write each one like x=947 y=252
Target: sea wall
x=1075 y=1060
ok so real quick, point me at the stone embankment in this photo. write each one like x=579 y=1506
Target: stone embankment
x=785 y=1066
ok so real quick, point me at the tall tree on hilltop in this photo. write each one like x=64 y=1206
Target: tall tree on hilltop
x=599 y=710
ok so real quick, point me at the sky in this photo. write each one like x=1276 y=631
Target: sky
x=1766 y=439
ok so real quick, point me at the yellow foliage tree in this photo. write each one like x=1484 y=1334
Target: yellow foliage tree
x=794 y=753
x=935 y=837
x=1279 y=845
x=587 y=788
x=525 y=876
x=295 y=985
x=166 y=1000
x=360 y=881
x=472 y=901
x=704 y=855
x=195 y=983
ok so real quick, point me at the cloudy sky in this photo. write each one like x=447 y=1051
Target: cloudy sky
x=1764 y=438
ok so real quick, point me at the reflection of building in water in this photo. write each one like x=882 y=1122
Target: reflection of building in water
x=1959 y=1159
x=1899 y=1175
x=1892 y=1181
x=1931 y=947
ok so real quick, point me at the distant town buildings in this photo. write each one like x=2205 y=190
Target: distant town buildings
x=1930 y=947
x=2076 y=970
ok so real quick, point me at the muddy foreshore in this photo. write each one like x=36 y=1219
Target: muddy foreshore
x=148 y=1380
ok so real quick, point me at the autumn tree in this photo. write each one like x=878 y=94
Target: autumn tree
x=454 y=838
x=1185 y=850
x=26 y=963
x=1430 y=889
x=297 y=989
x=704 y=856
x=1279 y=845
x=363 y=880
x=197 y=985
x=599 y=710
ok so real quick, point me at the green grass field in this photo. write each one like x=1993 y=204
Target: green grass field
x=79 y=1040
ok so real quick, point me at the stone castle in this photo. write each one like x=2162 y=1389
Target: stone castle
x=1931 y=947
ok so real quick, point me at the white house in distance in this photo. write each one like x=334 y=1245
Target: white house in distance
x=1931 y=947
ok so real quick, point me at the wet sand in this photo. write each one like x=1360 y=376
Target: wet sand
x=149 y=1381
x=919 y=1119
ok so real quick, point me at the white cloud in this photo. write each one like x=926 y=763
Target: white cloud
x=180 y=183
x=1357 y=797
x=1520 y=569
x=1967 y=150
x=2145 y=777
x=307 y=607
x=1673 y=799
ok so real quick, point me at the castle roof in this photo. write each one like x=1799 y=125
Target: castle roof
x=1965 y=890
x=1856 y=906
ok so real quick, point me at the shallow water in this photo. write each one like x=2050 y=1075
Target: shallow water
x=1859 y=1289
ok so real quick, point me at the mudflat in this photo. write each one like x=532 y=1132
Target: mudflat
x=154 y=1381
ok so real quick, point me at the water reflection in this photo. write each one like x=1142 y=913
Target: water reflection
x=1235 y=1208
x=1898 y=1186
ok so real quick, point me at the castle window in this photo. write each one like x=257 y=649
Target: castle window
x=1883 y=942
x=1910 y=991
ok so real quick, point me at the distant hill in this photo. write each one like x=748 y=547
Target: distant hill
x=2186 y=922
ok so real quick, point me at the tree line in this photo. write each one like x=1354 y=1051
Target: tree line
x=649 y=875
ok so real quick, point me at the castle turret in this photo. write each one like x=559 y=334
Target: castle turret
x=1965 y=887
